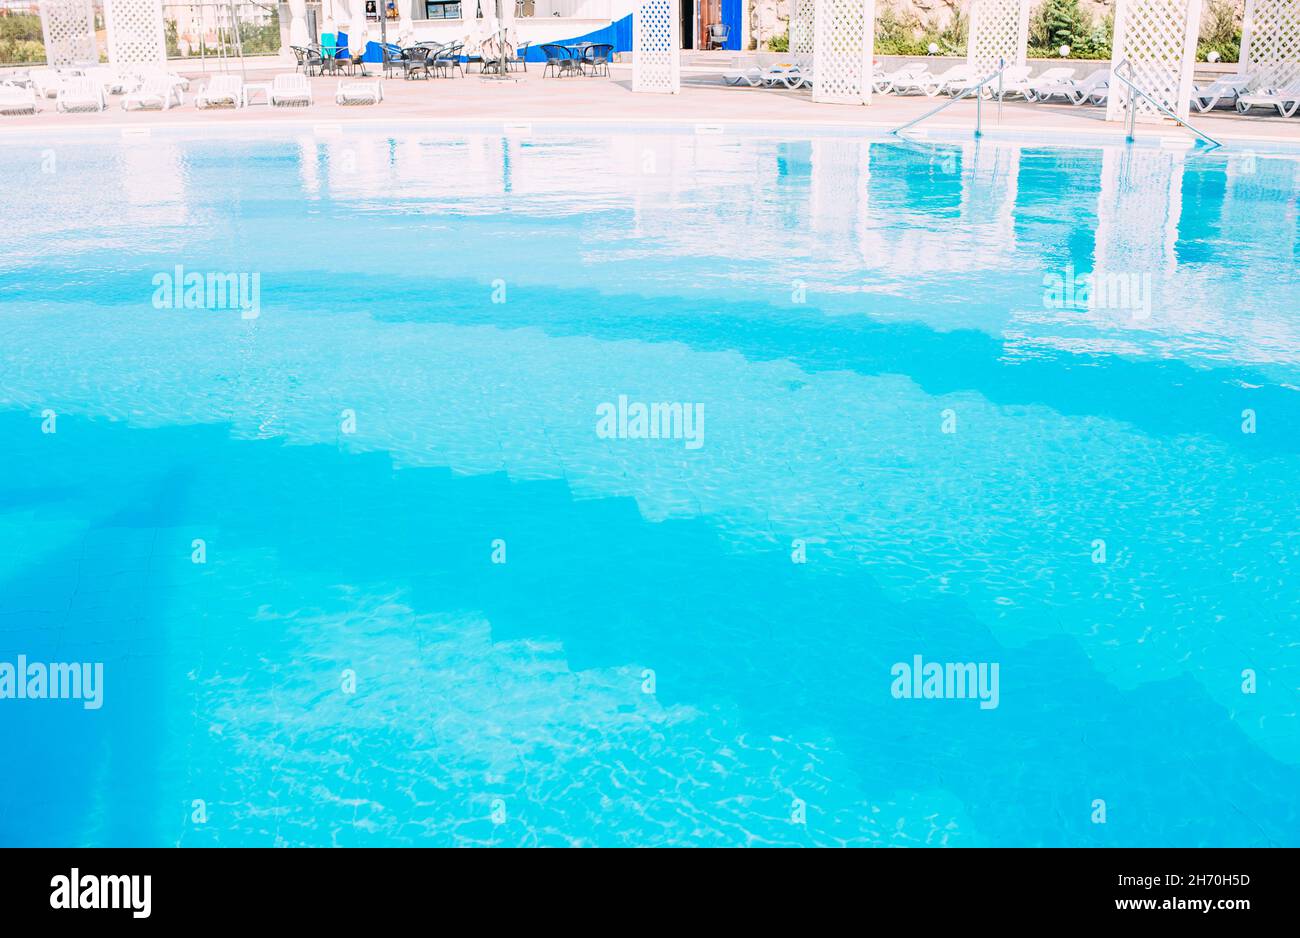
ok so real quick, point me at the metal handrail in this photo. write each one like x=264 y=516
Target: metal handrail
x=979 y=105
x=1131 y=118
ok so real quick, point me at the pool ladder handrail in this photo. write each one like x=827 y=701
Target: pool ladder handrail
x=978 y=88
x=1131 y=117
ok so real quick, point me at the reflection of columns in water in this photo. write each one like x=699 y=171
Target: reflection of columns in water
x=308 y=168
x=1138 y=211
x=1260 y=193
x=837 y=196
x=989 y=190
x=153 y=176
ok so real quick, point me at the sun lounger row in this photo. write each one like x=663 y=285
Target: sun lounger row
x=1057 y=83
x=163 y=91
x=782 y=75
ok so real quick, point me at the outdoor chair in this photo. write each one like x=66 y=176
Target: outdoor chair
x=521 y=57
x=597 y=58
x=395 y=60
x=418 y=62
x=716 y=38
x=448 y=58
x=559 y=61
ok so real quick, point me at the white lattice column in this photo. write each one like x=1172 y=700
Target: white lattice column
x=803 y=27
x=135 y=33
x=1270 y=43
x=844 y=34
x=69 y=30
x=999 y=31
x=656 y=47
x=1157 y=38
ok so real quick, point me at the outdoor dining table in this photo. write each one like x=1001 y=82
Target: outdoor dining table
x=578 y=50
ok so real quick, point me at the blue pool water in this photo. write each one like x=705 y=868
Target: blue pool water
x=835 y=305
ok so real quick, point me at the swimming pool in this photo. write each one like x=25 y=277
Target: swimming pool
x=363 y=565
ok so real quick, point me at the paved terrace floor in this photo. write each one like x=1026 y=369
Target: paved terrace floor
x=529 y=97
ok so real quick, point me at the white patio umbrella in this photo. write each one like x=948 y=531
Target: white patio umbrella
x=507 y=25
x=328 y=24
x=488 y=47
x=404 y=25
x=298 y=23
x=473 y=26
x=358 y=29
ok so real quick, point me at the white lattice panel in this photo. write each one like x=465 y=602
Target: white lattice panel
x=999 y=31
x=1270 y=43
x=803 y=27
x=69 y=30
x=135 y=32
x=844 y=33
x=1158 y=40
x=656 y=47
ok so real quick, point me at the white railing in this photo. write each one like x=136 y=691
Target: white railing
x=571 y=9
x=526 y=9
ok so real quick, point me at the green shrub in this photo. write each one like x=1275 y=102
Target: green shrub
x=779 y=43
x=22 y=52
x=1220 y=32
x=1063 y=23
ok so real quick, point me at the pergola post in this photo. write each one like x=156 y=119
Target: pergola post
x=1270 y=43
x=135 y=33
x=803 y=28
x=1157 y=38
x=844 y=33
x=68 y=27
x=656 y=47
x=999 y=32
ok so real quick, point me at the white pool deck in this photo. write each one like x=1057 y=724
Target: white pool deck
x=529 y=98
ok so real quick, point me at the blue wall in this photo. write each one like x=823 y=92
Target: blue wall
x=618 y=34
x=732 y=12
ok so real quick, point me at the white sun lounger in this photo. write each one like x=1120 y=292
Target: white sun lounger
x=1206 y=98
x=886 y=81
x=359 y=92
x=1013 y=79
x=17 y=100
x=155 y=94
x=913 y=81
x=1286 y=100
x=1092 y=89
x=952 y=81
x=290 y=89
x=1053 y=82
x=80 y=94
x=222 y=89
x=114 y=82
x=788 y=74
x=749 y=76
x=46 y=81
